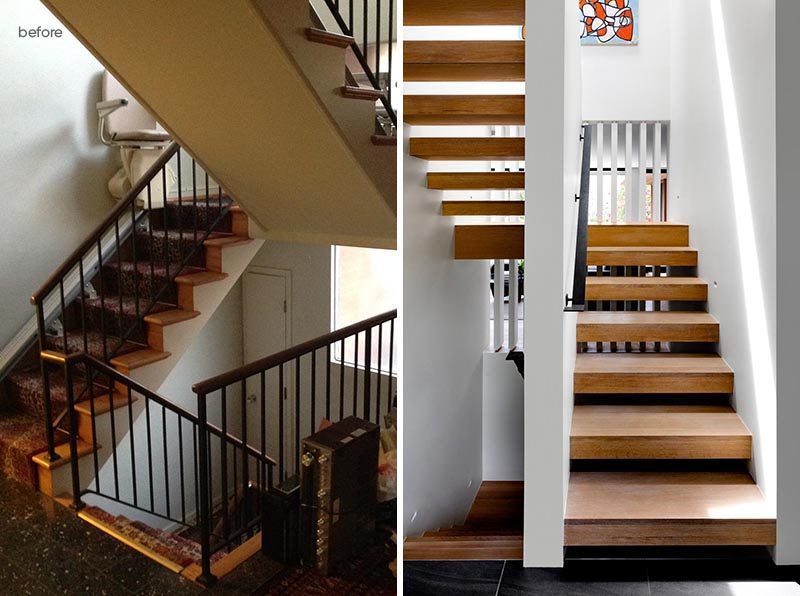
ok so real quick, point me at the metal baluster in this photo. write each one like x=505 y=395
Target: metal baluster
x=133 y=446
x=263 y=424
x=149 y=452
x=119 y=282
x=166 y=457
x=281 y=405
x=77 y=504
x=355 y=378
x=389 y=37
x=166 y=224
x=313 y=391
x=377 y=42
x=204 y=490
x=245 y=471
x=113 y=420
x=328 y=382
x=367 y=371
x=366 y=27
x=391 y=363
x=63 y=316
x=180 y=464
x=95 y=449
x=180 y=210
x=48 y=406
x=296 y=452
x=194 y=196
x=152 y=245
x=102 y=300
x=341 y=381
x=380 y=372
x=136 y=265
x=82 y=281
x=223 y=454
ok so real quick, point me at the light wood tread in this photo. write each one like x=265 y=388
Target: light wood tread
x=103 y=403
x=170 y=317
x=200 y=278
x=468 y=148
x=464 y=109
x=489 y=241
x=476 y=180
x=365 y=93
x=226 y=241
x=639 y=234
x=42 y=460
x=329 y=38
x=139 y=358
x=664 y=326
x=384 y=140
x=658 y=432
x=642 y=255
x=651 y=363
x=464 y=72
x=465 y=12
x=476 y=207
x=646 y=288
x=464 y=52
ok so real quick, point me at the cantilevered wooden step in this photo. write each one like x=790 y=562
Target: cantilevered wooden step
x=464 y=12
x=468 y=148
x=633 y=256
x=464 y=60
x=658 y=432
x=467 y=547
x=488 y=208
x=663 y=326
x=672 y=373
x=489 y=241
x=464 y=109
x=639 y=234
x=666 y=508
x=646 y=288
x=328 y=38
x=476 y=180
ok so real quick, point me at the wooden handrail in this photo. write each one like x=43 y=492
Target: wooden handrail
x=123 y=205
x=258 y=366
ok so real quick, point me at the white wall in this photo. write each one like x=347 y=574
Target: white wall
x=445 y=311
x=552 y=158
x=787 y=551
x=54 y=171
x=630 y=82
x=503 y=411
x=722 y=183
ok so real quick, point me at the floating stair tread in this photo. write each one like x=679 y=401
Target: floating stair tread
x=464 y=109
x=488 y=208
x=227 y=241
x=464 y=52
x=638 y=234
x=646 y=288
x=170 y=317
x=200 y=278
x=476 y=180
x=63 y=451
x=678 y=326
x=365 y=93
x=464 y=72
x=468 y=148
x=329 y=38
x=103 y=403
x=652 y=373
x=489 y=241
x=466 y=12
x=642 y=255
x=139 y=358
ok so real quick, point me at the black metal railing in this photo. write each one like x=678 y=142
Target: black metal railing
x=371 y=24
x=161 y=464
x=577 y=302
x=140 y=222
x=284 y=397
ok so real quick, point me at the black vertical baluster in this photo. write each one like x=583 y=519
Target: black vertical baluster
x=379 y=371
x=119 y=282
x=196 y=468
x=149 y=452
x=391 y=362
x=237 y=511
x=180 y=210
x=366 y=30
x=223 y=454
x=205 y=502
x=281 y=390
x=219 y=202
x=194 y=197
x=350 y=16
x=296 y=453
x=166 y=225
x=367 y=371
x=133 y=447
x=180 y=458
x=328 y=382
x=389 y=42
x=355 y=377
x=208 y=203
x=113 y=420
x=136 y=265
x=166 y=457
x=102 y=299
x=152 y=247
x=95 y=449
x=263 y=426
x=82 y=281
x=313 y=390
x=73 y=436
x=63 y=316
x=245 y=471
x=377 y=42
x=341 y=380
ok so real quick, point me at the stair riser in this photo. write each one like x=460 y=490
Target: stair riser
x=473 y=181
x=129 y=283
x=108 y=320
x=656 y=383
x=464 y=72
x=675 y=533
x=187 y=216
x=668 y=447
x=638 y=235
x=662 y=333
x=163 y=249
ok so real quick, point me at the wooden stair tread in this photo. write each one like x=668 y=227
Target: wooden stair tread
x=103 y=404
x=476 y=180
x=227 y=241
x=623 y=363
x=678 y=326
x=200 y=278
x=328 y=37
x=464 y=109
x=464 y=52
x=42 y=460
x=638 y=234
x=139 y=358
x=170 y=317
x=646 y=288
x=466 y=12
x=468 y=148
x=489 y=241
x=363 y=93
x=642 y=255
x=487 y=208
x=500 y=72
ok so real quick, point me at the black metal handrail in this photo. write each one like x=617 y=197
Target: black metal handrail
x=577 y=302
x=360 y=44
x=104 y=246
x=323 y=372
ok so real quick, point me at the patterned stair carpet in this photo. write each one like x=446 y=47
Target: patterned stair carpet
x=170 y=234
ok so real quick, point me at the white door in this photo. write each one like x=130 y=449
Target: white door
x=266 y=299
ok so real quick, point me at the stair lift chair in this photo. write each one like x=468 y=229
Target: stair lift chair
x=124 y=123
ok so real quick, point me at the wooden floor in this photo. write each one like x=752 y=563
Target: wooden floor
x=492 y=530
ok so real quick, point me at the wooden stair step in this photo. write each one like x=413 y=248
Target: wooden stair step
x=224 y=241
x=468 y=148
x=638 y=234
x=646 y=288
x=663 y=326
x=464 y=12
x=673 y=256
x=365 y=93
x=464 y=109
x=658 y=432
x=464 y=72
x=666 y=508
x=103 y=403
x=43 y=461
x=488 y=208
x=651 y=373
x=384 y=140
x=133 y=360
x=463 y=548
x=328 y=38
x=476 y=180
x=489 y=241
x=171 y=317
x=200 y=278
x=464 y=60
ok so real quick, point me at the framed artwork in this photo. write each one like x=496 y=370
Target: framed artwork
x=609 y=22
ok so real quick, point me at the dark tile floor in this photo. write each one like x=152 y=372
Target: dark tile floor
x=46 y=549
x=600 y=578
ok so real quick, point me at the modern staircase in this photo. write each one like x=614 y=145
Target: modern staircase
x=659 y=455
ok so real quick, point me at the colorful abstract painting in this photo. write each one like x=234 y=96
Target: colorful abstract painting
x=609 y=22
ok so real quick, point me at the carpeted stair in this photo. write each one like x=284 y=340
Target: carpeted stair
x=170 y=233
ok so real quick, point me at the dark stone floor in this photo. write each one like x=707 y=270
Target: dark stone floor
x=46 y=549
x=600 y=578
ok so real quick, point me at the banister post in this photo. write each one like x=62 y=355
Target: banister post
x=48 y=405
x=205 y=578
x=77 y=503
